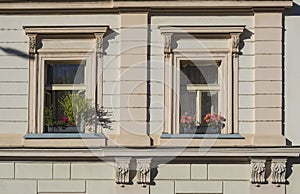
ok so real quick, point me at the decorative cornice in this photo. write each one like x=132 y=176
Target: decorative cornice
x=102 y=152
x=202 y=29
x=143 y=171
x=258 y=170
x=105 y=5
x=278 y=168
x=58 y=30
x=122 y=170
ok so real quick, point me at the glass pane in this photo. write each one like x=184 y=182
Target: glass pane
x=197 y=101
x=199 y=73
x=65 y=73
x=55 y=118
x=209 y=103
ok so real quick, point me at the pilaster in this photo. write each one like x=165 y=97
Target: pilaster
x=134 y=44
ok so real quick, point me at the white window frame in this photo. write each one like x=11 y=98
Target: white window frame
x=228 y=56
x=39 y=56
x=89 y=82
x=224 y=88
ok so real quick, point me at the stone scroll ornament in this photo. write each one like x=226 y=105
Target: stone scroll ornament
x=258 y=172
x=143 y=171
x=122 y=171
x=278 y=171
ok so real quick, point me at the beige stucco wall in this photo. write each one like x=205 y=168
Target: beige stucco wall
x=98 y=177
x=125 y=73
x=291 y=73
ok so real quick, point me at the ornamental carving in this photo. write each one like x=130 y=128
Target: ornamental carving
x=278 y=168
x=99 y=42
x=143 y=171
x=235 y=44
x=258 y=168
x=167 y=43
x=122 y=171
x=32 y=43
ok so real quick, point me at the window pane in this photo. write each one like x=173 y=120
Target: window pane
x=199 y=72
x=65 y=74
x=54 y=116
x=196 y=99
x=209 y=103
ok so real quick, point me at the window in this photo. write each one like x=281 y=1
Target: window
x=201 y=87
x=65 y=65
x=63 y=79
x=200 y=94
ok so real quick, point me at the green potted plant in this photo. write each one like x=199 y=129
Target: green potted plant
x=79 y=113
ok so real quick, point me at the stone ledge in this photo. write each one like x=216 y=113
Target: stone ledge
x=64 y=136
x=202 y=136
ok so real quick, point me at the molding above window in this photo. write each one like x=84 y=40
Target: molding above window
x=57 y=30
x=202 y=29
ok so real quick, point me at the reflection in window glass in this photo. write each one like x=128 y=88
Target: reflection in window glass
x=62 y=79
x=65 y=74
x=199 y=92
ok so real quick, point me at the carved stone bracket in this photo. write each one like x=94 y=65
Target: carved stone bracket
x=278 y=168
x=99 y=43
x=235 y=44
x=258 y=170
x=122 y=170
x=32 y=43
x=167 y=43
x=143 y=171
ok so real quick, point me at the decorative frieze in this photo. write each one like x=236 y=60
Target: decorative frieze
x=278 y=168
x=122 y=170
x=143 y=171
x=258 y=171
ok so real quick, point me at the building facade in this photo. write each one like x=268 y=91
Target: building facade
x=172 y=97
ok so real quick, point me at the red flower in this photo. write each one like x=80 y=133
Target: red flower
x=64 y=119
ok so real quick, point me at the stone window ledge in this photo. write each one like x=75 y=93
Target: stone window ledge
x=201 y=136
x=64 y=136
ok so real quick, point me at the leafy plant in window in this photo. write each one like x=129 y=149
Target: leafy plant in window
x=79 y=113
x=48 y=116
x=188 y=123
x=78 y=110
x=215 y=121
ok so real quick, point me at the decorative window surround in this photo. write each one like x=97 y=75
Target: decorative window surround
x=35 y=34
x=258 y=171
x=122 y=170
x=171 y=102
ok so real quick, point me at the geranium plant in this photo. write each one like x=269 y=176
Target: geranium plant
x=215 y=120
x=187 y=121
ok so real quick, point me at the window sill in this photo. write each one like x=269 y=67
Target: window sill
x=201 y=136
x=64 y=136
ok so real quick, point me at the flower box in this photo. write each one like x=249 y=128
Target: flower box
x=209 y=130
x=65 y=129
x=189 y=130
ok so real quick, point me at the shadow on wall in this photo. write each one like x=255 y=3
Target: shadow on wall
x=15 y=52
x=293 y=11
